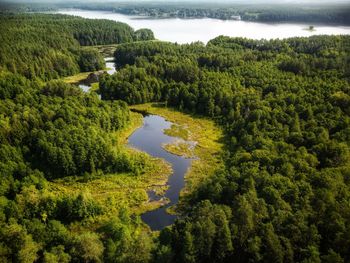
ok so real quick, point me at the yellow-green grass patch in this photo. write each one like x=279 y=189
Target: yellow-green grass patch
x=76 y=78
x=177 y=131
x=180 y=148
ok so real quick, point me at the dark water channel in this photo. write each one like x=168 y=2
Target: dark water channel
x=149 y=138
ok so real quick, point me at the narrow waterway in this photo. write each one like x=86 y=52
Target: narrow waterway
x=150 y=138
x=110 y=69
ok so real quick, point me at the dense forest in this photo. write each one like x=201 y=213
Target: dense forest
x=284 y=106
x=51 y=130
x=56 y=131
x=49 y=46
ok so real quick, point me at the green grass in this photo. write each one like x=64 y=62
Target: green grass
x=177 y=131
x=94 y=87
x=180 y=148
x=76 y=78
x=107 y=50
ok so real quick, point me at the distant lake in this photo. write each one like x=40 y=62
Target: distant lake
x=203 y=29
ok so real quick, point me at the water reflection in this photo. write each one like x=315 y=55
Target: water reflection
x=150 y=138
x=110 y=65
x=85 y=85
x=204 y=29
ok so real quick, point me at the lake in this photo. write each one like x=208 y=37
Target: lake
x=150 y=138
x=203 y=29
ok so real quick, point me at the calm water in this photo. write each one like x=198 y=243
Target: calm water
x=85 y=86
x=204 y=29
x=110 y=65
x=149 y=138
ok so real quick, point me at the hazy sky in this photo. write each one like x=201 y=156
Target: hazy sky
x=182 y=1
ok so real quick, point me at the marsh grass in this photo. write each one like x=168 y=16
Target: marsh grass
x=116 y=191
x=177 y=131
x=180 y=148
x=76 y=78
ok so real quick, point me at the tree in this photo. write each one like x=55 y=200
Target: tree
x=88 y=247
x=143 y=34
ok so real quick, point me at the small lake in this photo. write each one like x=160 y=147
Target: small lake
x=149 y=138
x=203 y=29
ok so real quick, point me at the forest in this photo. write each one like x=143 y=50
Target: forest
x=282 y=195
x=52 y=131
x=284 y=106
x=26 y=48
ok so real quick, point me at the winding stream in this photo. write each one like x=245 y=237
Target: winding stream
x=110 y=69
x=149 y=138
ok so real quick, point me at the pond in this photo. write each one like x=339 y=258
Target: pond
x=150 y=138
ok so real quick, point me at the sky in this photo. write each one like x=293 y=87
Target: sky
x=196 y=1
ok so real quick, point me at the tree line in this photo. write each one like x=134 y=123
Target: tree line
x=271 y=12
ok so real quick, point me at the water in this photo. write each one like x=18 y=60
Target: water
x=149 y=138
x=110 y=65
x=85 y=86
x=203 y=29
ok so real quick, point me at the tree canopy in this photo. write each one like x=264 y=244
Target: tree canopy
x=284 y=194
x=49 y=46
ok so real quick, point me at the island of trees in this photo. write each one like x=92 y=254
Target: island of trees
x=283 y=194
